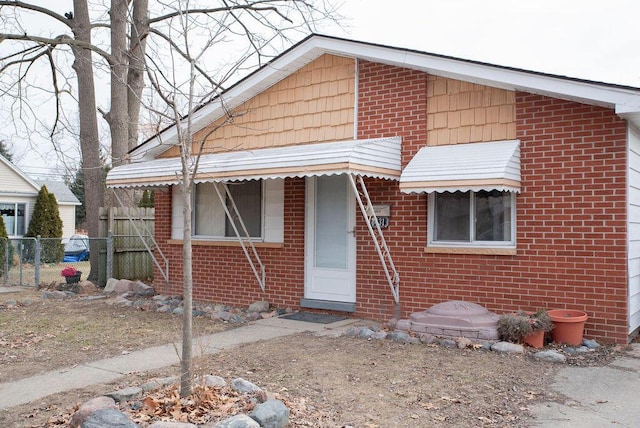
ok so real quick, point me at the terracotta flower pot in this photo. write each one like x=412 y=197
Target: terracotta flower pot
x=568 y=326
x=535 y=339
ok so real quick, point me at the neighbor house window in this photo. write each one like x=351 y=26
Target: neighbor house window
x=210 y=219
x=14 y=218
x=484 y=218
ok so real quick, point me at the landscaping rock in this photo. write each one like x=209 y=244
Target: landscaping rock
x=56 y=295
x=463 y=342
x=142 y=289
x=551 y=356
x=88 y=407
x=111 y=283
x=260 y=306
x=108 y=418
x=591 y=344
x=447 y=343
x=399 y=336
x=237 y=421
x=121 y=287
x=214 y=381
x=126 y=394
x=244 y=386
x=511 y=348
x=162 y=424
x=271 y=414
x=86 y=287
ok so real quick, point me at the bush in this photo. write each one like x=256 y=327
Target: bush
x=45 y=222
x=5 y=244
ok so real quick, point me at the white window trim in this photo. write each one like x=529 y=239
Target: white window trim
x=233 y=237
x=431 y=243
x=27 y=207
x=272 y=216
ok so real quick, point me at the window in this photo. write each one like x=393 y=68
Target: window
x=14 y=218
x=210 y=218
x=484 y=218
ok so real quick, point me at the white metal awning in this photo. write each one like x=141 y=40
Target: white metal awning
x=379 y=158
x=492 y=165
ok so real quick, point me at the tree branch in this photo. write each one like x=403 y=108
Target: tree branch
x=35 y=8
x=57 y=41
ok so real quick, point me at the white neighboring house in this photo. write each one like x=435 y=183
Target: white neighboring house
x=18 y=194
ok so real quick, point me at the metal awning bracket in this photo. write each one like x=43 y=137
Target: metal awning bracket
x=375 y=231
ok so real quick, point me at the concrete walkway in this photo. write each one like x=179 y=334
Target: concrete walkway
x=595 y=396
x=27 y=390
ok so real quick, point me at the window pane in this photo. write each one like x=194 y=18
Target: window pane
x=452 y=216
x=20 y=220
x=331 y=222
x=493 y=216
x=247 y=196
x=209 y=213
x=9 y=215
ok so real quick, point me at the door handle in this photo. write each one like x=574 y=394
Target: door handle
x=353 y=231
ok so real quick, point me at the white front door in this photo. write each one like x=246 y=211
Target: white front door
x=330 y=243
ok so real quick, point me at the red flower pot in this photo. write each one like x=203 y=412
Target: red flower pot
x=535 y=339
x=568 y=326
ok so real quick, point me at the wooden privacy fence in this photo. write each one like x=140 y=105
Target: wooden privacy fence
x=131 y=259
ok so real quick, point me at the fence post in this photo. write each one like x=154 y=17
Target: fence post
x=36 y=262
x=109 y=255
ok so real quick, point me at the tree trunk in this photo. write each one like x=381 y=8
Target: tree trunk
x=187 y=277
x=117 y=117
x=135 y=75
x=89 y=139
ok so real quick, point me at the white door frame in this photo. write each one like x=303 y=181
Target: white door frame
x=324 y=283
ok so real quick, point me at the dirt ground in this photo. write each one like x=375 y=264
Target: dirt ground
x=326 y=382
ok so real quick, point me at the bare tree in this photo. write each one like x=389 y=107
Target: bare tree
x=211 y=45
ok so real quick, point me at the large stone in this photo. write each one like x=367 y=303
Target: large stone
x=54 y=295
x=88 y=407
x=214 y=381
x=86 y=287
x=163 y=424
x=237 y=421
x=121 y=287
x=508 y=347
x=111 y=282
x=260 y=306
x=271 y=414
x=244 y=386
x=126 y=394
x=108 y=418
x=551 y=356
x=142 y=289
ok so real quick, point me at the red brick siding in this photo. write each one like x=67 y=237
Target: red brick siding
x=223 y=274
x=571 y=221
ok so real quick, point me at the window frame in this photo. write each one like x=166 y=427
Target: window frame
x=13 y=233
x=224 y=218
x=472 y=243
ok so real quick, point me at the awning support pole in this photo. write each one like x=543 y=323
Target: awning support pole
x=260 y=276
x=164 y=271
x=378 y=238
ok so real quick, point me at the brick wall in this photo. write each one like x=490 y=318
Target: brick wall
x=571 y=221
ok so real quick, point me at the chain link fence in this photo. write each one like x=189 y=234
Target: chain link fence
x=35 y=261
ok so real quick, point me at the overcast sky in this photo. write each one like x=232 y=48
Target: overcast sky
x=596 y=40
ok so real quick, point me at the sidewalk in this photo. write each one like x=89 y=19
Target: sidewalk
x=595 y=396
x=26 y=390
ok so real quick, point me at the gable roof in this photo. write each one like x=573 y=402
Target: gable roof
x=63 y=194
x=624 y=99
x=17 y=171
